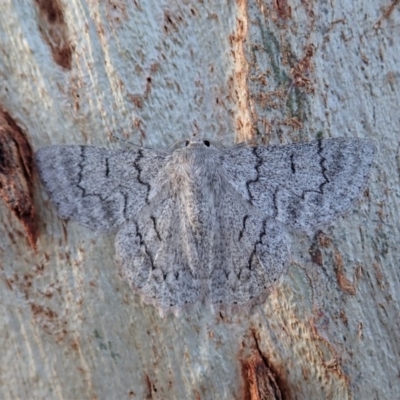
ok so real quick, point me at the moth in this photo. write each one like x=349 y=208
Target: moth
x=201 y=221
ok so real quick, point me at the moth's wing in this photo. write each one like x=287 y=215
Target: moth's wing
x=232 y=257
x=249 y=254
x=98 y=187
x=302 y=185
x=158 y=254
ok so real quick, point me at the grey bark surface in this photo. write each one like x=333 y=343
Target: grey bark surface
x=154 y=72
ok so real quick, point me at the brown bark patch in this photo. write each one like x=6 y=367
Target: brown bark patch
x=316 y=255
x=283 y=8
x=260 y=382
x=301 y=71
x=344 y=283
x=16 y=174
x=54 y=31
x=323 y=240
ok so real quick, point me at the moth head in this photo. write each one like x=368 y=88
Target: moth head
x=197 y=143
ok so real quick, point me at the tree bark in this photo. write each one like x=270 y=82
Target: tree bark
x=154 y=72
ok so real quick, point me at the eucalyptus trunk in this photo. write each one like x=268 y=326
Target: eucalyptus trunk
x=155 y=72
